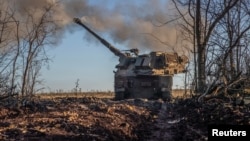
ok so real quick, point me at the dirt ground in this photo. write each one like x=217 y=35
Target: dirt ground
x=102 y=119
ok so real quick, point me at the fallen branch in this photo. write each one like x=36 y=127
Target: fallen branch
x=7 y=96
x=222 y=88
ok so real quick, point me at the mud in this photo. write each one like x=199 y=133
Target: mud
x=102 y=119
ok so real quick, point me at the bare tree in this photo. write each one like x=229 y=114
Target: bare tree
x=199 y=20
x=231 y=47
x=39 y=32
x=6 y=43
x=23 y=38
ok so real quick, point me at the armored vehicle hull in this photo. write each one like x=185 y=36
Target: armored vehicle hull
x=150 y=87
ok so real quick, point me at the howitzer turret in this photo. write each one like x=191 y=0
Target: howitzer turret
x=143 y=76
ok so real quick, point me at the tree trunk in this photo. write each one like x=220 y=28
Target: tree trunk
x=200 y=50
x=201 y=68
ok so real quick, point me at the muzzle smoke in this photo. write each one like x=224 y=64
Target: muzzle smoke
x=129 y=23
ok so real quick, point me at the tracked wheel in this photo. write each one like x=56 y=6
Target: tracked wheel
x=119 y=95
x=167 y=96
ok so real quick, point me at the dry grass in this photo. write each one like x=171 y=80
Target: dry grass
x=180 y=93
x=77 y=95
x=176 y=93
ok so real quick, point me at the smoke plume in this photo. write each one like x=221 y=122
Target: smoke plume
x=129 y=23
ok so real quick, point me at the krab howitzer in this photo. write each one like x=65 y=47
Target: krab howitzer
x=143 y=76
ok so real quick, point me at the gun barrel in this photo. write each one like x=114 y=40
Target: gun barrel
x=104 y=42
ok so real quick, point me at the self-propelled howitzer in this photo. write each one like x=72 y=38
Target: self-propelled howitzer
x=143 y=76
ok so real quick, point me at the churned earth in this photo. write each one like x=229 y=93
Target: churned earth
x=103 y=119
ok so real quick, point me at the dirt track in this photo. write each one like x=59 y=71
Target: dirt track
x=103 y=119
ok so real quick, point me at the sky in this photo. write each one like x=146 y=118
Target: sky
x=90 y=62
x=79 y=56
x=75 y=58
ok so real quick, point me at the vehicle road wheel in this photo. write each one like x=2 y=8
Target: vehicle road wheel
x=119 y=95
x=166 y=96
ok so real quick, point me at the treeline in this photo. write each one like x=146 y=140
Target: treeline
x=219 y=34
x=25 y=32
